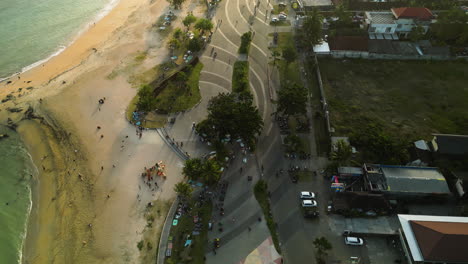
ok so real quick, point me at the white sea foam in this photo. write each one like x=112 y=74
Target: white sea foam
x=104 y=11
x=30 y=205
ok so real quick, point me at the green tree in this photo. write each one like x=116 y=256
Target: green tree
x=289 y=54
x=417 y=33
x=292 y=99
x=275 y=54
x=322 y=245
x=312 y=28
x=344 y=17
x=193 y=169
x=203 y=25
x=177 y=33
x=228 y=116
x=176 y=3
x=211 y=171
x=342 y=153
x=194 y=44
x=180 y=78
x=189 y=20
x=146 y=99
x=294 y=143
x=183 y=189
x=378 y=146
x=451 y=27
x=174 y=43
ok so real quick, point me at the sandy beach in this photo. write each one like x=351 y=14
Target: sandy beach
x=89 y=201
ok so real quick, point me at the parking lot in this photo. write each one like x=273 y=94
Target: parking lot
x=299 y=232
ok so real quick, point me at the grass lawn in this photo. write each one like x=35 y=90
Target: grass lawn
x=291 y=72
x=195 y=252
x=175 y=98
x=261 y=194
x=155 y=217
x=411 y=99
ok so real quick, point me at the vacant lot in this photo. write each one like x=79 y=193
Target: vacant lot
x=409 y=98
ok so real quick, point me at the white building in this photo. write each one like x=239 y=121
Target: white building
x=398 y=23
x=428 y=239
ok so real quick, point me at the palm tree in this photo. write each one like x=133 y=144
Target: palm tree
x=183 y=189
x=342 y=152
x=211 y=171
x=322 y=245
x=193 y=169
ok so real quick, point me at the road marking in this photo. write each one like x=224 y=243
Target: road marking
x=263 y=92
x=248 y=6
x=216 y=60
x=229 y=20
x=230 y=53
x=247 y=22
x=217 y=75
x=221 y=32
x=269 y=129
x=215 y=84
x=254 y=94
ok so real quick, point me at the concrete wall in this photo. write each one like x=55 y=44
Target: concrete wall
x=382 y=28
x=376 y=56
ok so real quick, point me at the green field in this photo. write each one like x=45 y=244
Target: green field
x=410 y=99
x=176 y=98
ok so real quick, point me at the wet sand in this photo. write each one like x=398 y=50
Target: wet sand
x=65 y=95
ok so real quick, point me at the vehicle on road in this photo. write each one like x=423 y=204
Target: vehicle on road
x=329 y=207
x=311 y=213
x=282 y=16
x=216 y=243
x=274 y=19
x=354 y=241
x=307 y=195
x=309 y=203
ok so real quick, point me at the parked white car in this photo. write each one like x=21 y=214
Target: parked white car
x=282 y=16
x=307 y=195
x=274 y=19
x=309 y=203
x=354 y=241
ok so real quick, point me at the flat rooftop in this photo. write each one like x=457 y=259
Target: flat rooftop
x=409 y=179
x=380 y=17
x=414 y=179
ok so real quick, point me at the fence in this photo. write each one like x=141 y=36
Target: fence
x=380 y=56
x=323 y=99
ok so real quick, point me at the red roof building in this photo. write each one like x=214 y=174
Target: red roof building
x=420 y=13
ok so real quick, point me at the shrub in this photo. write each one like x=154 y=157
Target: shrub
x=140 y=245
x=246 y=38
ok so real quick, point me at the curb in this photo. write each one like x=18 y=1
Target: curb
x=165 y=233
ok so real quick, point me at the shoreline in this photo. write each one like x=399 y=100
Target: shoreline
x=50 y=150
x=80 y=48
x=33 y=196
x=90 y=211
x=82 y=29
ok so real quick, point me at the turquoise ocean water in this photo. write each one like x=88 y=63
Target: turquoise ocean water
x=31 y=31
x=16 y=170
x=34 y=30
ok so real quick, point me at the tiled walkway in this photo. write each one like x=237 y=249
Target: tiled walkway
x=265 y=253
